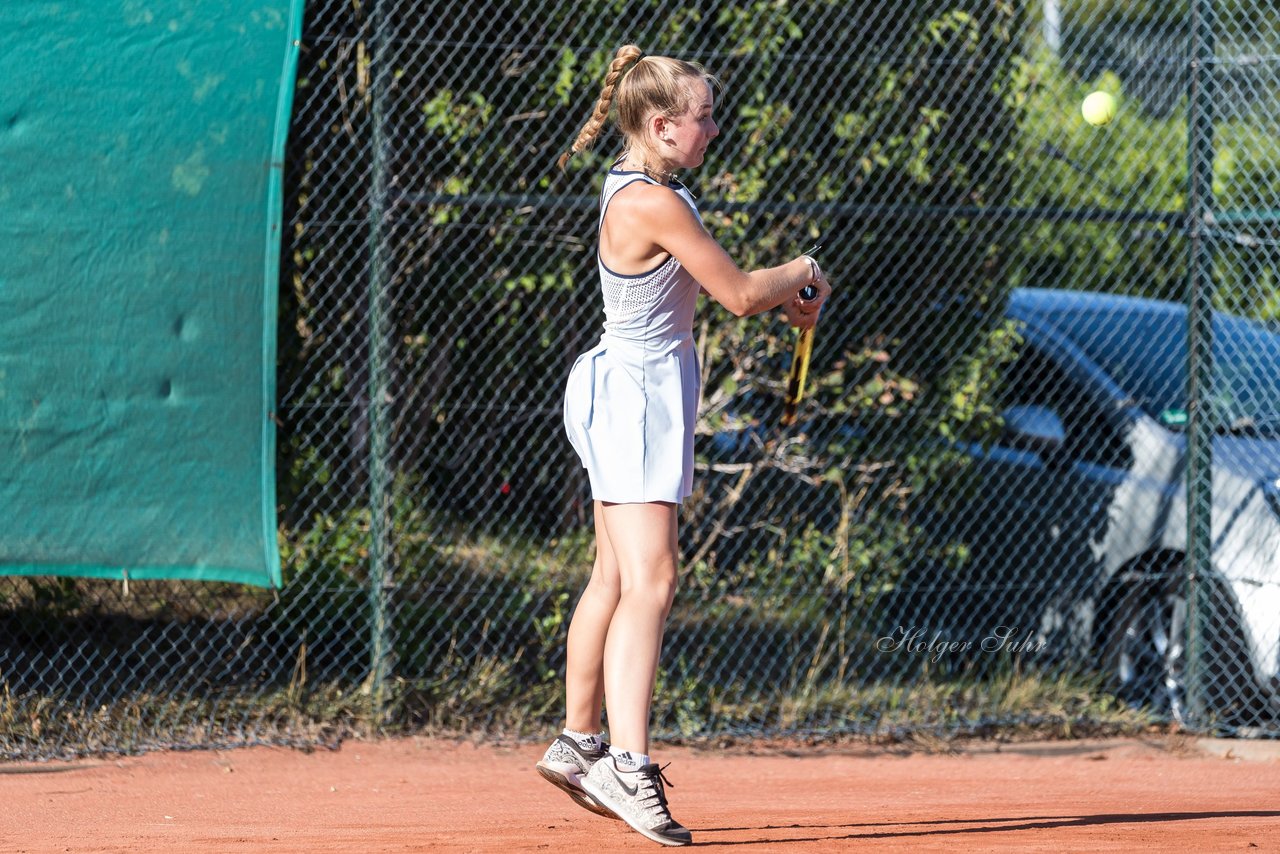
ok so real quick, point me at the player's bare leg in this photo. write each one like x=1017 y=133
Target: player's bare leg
x=643 y=537
x=626 y=781
x=584 y=654
x=581 y=745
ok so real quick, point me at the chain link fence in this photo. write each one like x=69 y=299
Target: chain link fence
x=1034 y=484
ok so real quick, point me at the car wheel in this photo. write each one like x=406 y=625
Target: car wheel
x=1144 y=651
x=1145 y=647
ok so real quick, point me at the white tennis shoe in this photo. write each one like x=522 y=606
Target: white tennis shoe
x=637 y=797
x=565 y=764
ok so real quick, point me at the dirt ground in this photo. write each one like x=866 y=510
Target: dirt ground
x=1162 y=794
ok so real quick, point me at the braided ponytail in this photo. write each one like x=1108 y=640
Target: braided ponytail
x=626 y=56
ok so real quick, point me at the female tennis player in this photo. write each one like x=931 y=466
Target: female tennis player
x=629 y=409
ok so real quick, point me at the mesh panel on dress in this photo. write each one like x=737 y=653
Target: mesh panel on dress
x=626 y=297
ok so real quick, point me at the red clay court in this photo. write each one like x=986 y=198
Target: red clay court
x=1156 y=794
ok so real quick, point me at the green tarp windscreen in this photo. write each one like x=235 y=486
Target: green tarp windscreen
x=140 y=176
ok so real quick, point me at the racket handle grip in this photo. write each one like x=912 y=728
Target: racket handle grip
x=808 y=292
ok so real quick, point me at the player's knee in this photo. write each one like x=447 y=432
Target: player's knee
x=657 y=590
x=604 y=584
x=669 y=595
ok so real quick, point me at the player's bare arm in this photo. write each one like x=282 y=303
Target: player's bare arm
x=663 y=224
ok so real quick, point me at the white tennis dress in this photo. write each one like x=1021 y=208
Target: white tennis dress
x=631 y=401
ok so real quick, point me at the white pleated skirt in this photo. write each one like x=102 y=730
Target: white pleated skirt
x=629 y=411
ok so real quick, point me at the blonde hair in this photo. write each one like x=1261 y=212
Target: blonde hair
x=642 y=86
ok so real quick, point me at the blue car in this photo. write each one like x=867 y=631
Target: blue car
x=1075 y=517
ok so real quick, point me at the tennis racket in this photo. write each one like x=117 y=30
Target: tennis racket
x=799 y=361
x=799 y=366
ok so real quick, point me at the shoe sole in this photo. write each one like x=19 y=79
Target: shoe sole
x=602 y=797
x=574 y=791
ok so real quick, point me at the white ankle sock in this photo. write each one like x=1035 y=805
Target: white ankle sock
x=586 y=740
x=627 y=760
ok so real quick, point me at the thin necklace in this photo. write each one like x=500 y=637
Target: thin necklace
x=662 y=176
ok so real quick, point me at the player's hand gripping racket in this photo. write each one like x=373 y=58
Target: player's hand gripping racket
x=799 y=369
x=799 y=363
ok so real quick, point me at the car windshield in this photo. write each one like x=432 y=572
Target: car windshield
x=1144 y=350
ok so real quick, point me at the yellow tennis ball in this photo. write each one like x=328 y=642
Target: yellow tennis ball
x=1098 y=108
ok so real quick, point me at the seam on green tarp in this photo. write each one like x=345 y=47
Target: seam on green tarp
x=236 y=575
x=271 y=279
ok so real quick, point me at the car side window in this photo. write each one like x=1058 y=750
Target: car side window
x=1092 y=434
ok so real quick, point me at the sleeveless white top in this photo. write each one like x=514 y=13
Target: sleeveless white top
x=632 y=400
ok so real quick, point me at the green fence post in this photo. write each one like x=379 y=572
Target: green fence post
x=379 y=493
x=1199 y=346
